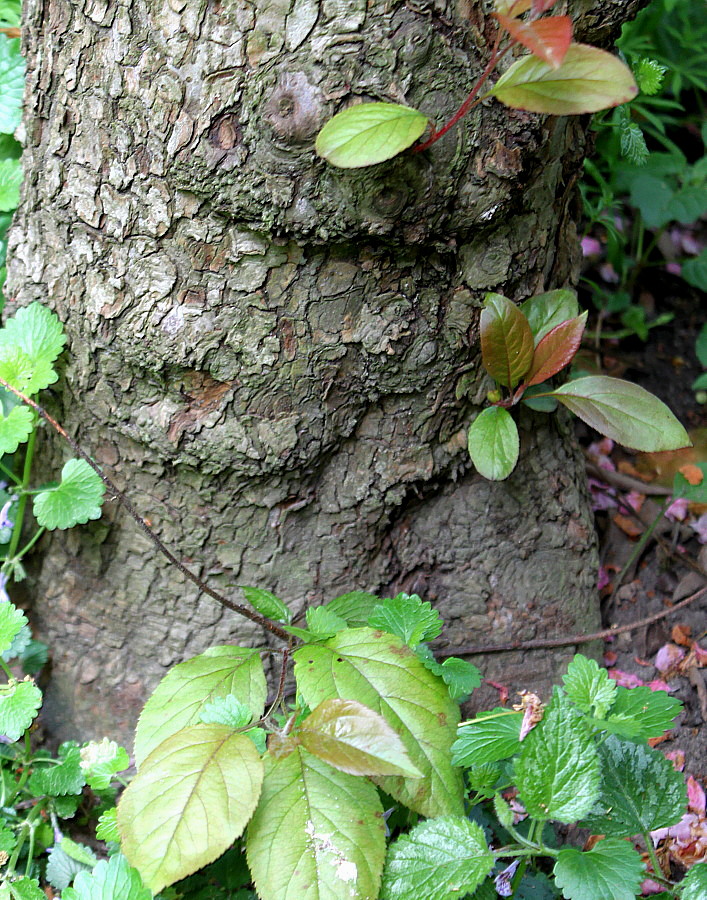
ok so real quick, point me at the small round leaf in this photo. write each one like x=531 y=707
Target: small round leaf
x=494 y=443
x=369 y=133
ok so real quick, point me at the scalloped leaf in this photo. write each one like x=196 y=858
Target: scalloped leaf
x=494 y=443
x=191 y=799
x=588 y=80
x=19 y=704
x=652 y=712
x=624 y=412
x=490 y=737
x=179 y=698
x=383 y=673
x=589 y=686
x=369 y=133
x=317 y=832
x=12 y=620
x=107 y=826
x=25 y=374
x=547 y=39
x=556 y=350
x=12 y=84
x=23 y=889
x=77 y=499
x=37 y=331
x=351 y=737
x=15 y=428
x=407 y=616
x=612 y=870
x=113 y=879
x=58 y=780
x=557 y=772
x=506 y=340
x=438 y=859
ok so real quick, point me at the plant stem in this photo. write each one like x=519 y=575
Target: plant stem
x=28 y=546
x=10 y=474
x=640 y=547
x=6 y=669
x=24 y=484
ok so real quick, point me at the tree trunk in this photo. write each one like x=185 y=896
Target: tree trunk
x=278 y=359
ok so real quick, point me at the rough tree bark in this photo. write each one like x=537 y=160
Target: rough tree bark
x=277 y=358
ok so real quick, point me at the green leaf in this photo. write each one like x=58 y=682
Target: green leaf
x=503 y=811
x=557 y=772
x=24 y=373
x=694 y=271
x=19 y=703
x=179 y=697
x=190 y=800
x=15 y=428
x=10 y=181
x=34 y=657
x=322 y=621
x=652 y=711
x=384 y=674
x=556 y=350
x=267 y=604
x=546 y=311
x=624 y=412
x=23 y=889
x=355 y=607
x=588 y=80
x=649 y=76
x=695 y=493
x=113 y=879
x=100 y=761
x=494 y=443
x=506 y=340
x=640 y=791
x=351 y=737
x=490 y=737
x=701 y=342
x=12 y=84
x=62 y=868
x=633 y=144
x=80 y=852
x=408 y=617
x=317 y=832
x=107 y=827
x=59 y=780
x=369 y=133
x=77 y=499
x=37 y=331
x=694 y=885
x=460 y=676
x=611 y=870
x=438 y=859
x=12 y=620
x=226 y=711
x=8 y=838
x=589 y=686
x=542 y=403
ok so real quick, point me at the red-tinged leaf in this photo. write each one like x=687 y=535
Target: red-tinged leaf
x=588 y=80
x=506 y=340
x=541 y=6
x=556 y=350
x=512 y=7
x=547 y=39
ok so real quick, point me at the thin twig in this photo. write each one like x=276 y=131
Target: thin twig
x=547 y=643
x=270 y=626
x=626 y=482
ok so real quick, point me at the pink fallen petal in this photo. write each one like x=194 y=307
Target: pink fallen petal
x=700 y=655
x=635 y=500
x=625 y=679
x=650 y=887
x=668 y=657
x=677 y=511
x=659 y=685
x=695 y=796
x=604 y=580
x=677 y=758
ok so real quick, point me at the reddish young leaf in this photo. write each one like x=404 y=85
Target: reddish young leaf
x=506 y=340
x=547 y=39
x=512 y=7
x=541 y=6
x=556 y=350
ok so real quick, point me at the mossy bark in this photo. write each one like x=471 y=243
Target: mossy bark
x=279 y=359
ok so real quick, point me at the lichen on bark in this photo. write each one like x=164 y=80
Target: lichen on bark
x=277 y=358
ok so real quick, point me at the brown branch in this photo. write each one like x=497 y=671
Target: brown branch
x=547 y=643
x=269 y=625
x=626 y=482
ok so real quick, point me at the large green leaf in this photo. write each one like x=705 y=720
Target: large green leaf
x=506 y=340
x=546 y=311
x=557 y=772
x=36 y=330
x=353 y=738
x=12 y=84
x=624 y=412
x=380 y=671
x=178 y=699
x=611 y=870
x=494 y=443
x=111 y=879
x=191 y=799
x=640 y=791
x=77 y=499
x=369 y=133
x=651 y=712
x=588 y=80
x=407 y=616
x=317 y=834
x=438 y=859
x=490 y=737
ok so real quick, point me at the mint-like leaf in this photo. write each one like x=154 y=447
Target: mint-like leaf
x=226 y=710
x=12 y=84
x=652 y=711
x=694 y=885
x=322 y=621
x=557 y=773
x=10 y=181
x=77 y=499
x=460 y=676
x=8 y=838
x=355 y=607
x=490 y=737
x=25 y=374
x=15 y=428
x=62 y=867
x=19 y=644
x=107 y=827
x=37 y=331
x=589 y=686
x=611 y=870
x=19 y=703
x=640 y=791
x=437 y=859
x=59 y=780
x=408 y=617
x=34 y=657
x=23 y=889
x=100 y=761
x=111 y=880
x=12 y=621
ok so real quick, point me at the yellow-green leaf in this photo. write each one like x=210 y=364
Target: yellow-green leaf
x=369 y=133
